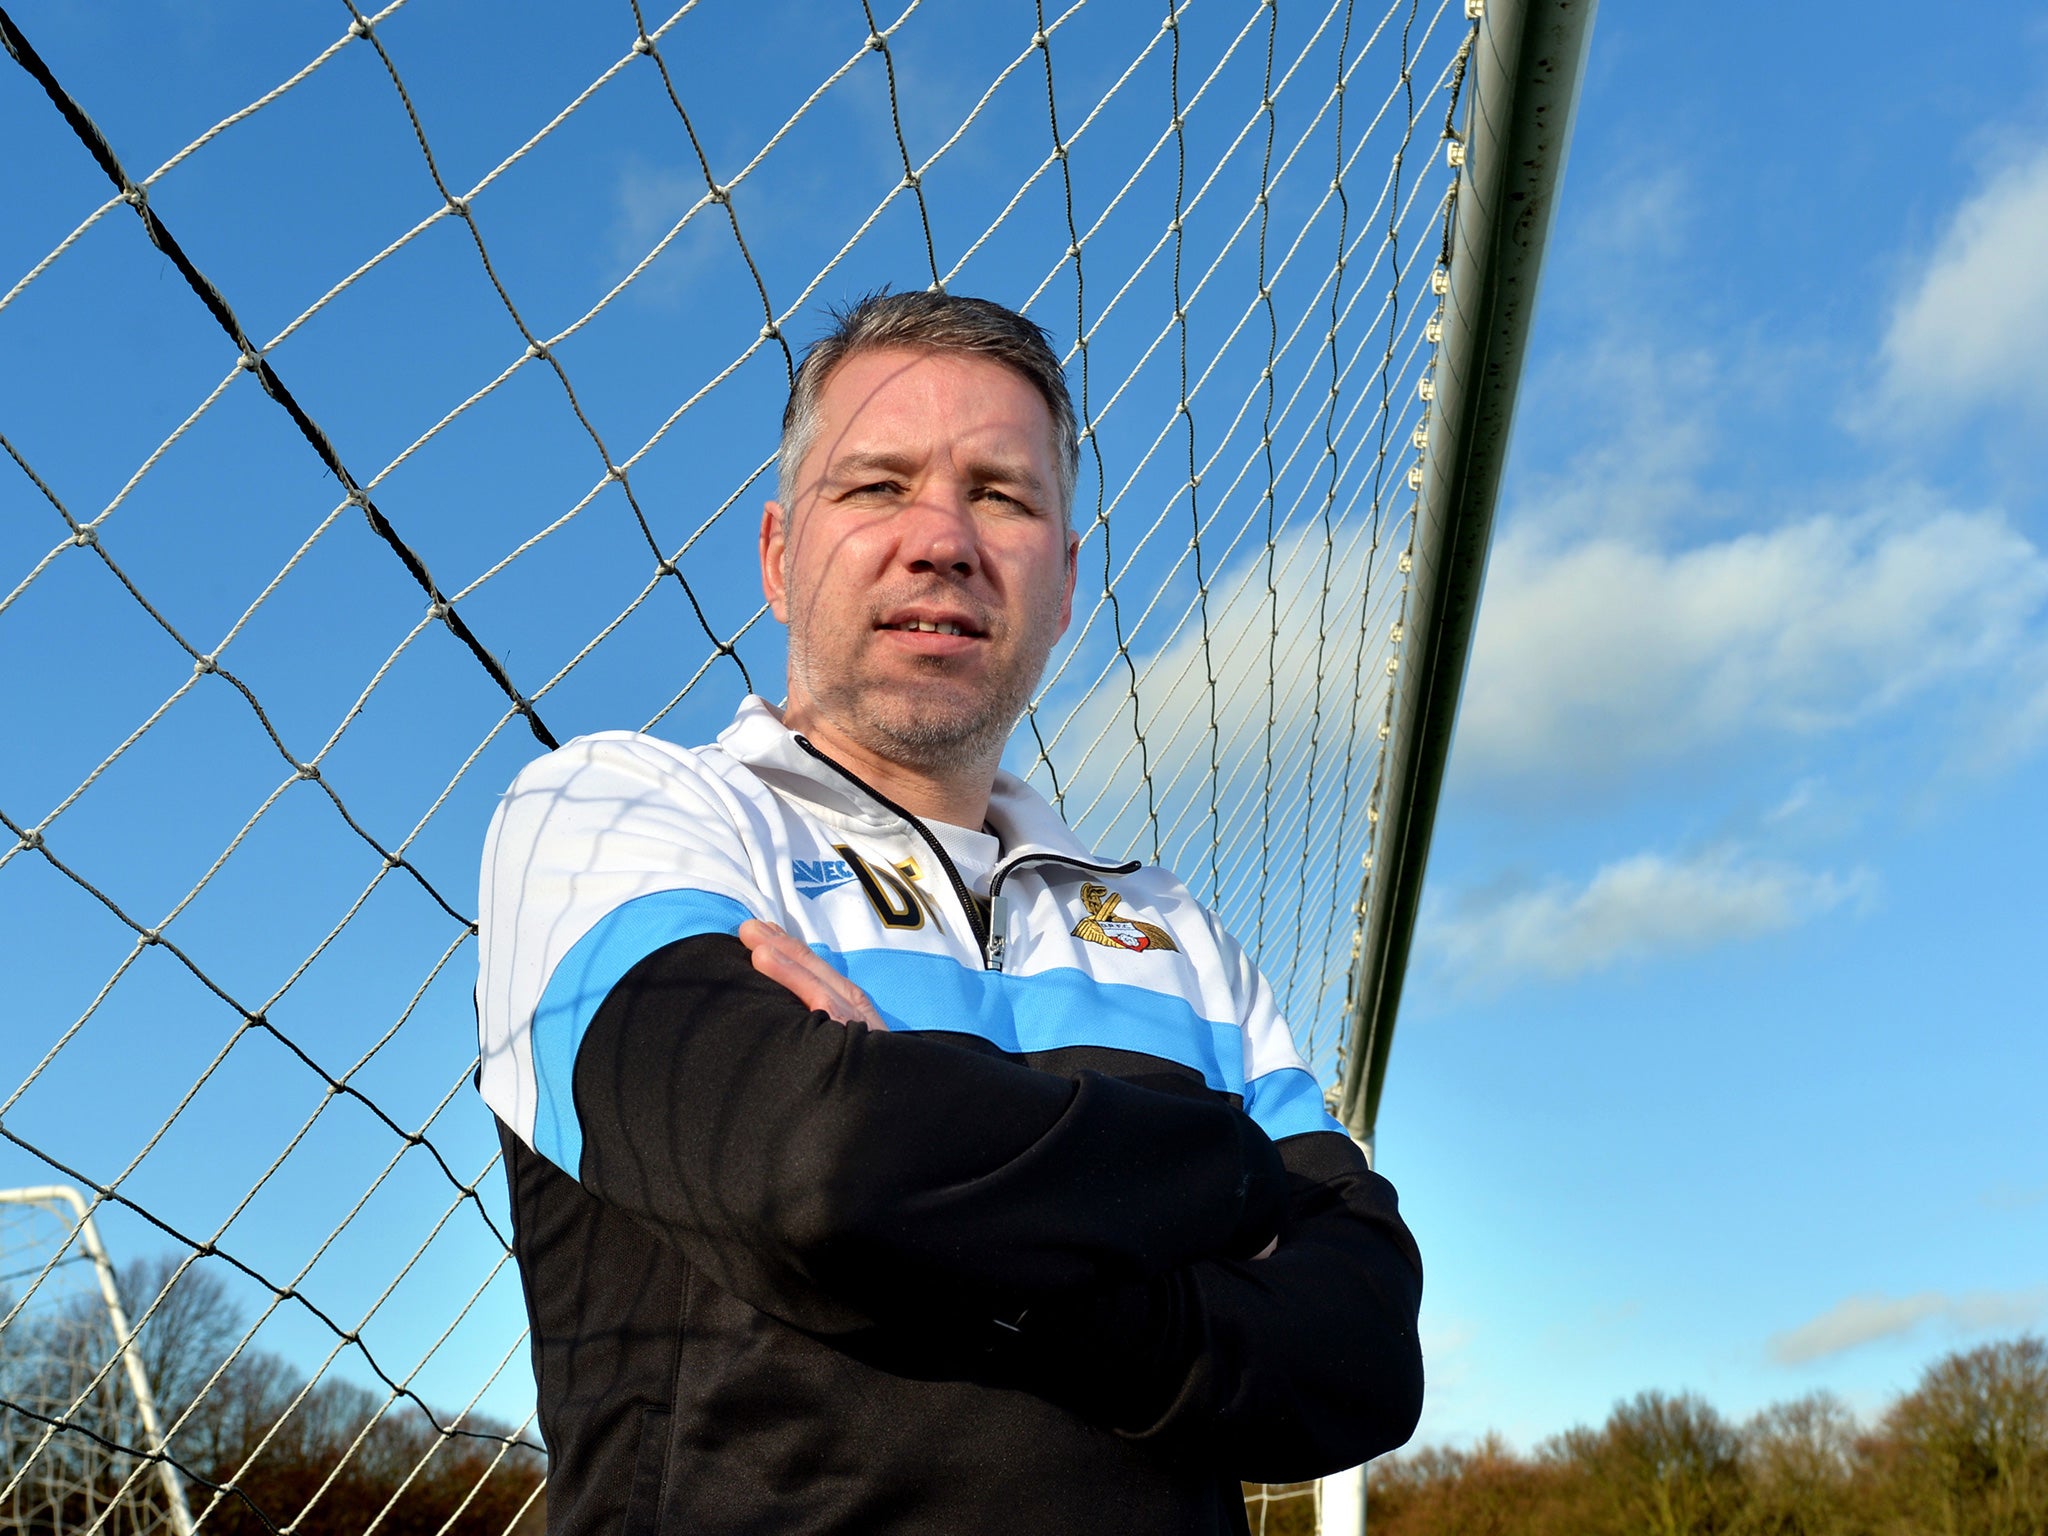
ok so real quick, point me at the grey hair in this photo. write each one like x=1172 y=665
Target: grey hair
x=929 y=322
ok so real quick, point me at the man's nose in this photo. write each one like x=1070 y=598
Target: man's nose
x=941 y=534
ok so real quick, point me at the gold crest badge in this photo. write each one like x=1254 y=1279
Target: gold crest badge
x=1103 y=926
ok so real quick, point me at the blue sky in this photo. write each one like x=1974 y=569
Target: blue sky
x=1722 y=1066
x=1715 y=1068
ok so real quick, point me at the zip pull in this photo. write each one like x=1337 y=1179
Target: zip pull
x=998 y=932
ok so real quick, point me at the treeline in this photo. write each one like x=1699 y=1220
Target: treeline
x=1965 y=1453
x=329 y=1459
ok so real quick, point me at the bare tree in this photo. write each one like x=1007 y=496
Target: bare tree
x=1803 y=1470
x=1966 y=1452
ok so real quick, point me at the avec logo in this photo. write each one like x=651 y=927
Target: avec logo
x=897 y=894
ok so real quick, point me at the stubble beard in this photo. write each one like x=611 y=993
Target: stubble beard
x=935 y=726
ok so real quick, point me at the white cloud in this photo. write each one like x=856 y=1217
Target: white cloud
x=1597 y=655
x=1868 y=1318
x=2011 y=1197
x=1639 y=906
x=1248 y=634
x=1973 y=327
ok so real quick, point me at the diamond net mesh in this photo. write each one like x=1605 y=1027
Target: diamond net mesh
x=390 y=398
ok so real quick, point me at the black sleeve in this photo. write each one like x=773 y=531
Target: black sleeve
x=839 y=1178
x=1284 y=1369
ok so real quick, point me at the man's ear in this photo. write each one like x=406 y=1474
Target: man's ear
x=1073 y=568
x=774 y=546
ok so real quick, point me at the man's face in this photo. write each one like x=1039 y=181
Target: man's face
x=925 y=568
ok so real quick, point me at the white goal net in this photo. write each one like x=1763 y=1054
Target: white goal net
x=392 y=394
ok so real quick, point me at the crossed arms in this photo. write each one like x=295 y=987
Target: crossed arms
x=933 y=1206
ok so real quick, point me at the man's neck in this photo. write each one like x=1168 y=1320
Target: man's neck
x=955 y=795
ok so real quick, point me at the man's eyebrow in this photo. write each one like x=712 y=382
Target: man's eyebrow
x=985 y=470
x=865 y=460
x=1003 y=471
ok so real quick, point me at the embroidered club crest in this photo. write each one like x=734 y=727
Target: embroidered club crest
x=1103 y=926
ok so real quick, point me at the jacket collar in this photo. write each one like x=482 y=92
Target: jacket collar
x=1023 y=820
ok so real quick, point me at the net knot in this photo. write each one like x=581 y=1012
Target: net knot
x=459 y=206
x=1059 y=151
x=201 y=665
x=392 y=861
x=536 y=349
x=438 y=611
x=1074 y=252
x=309 y=770
x=85 y=536
x=910 y=180
x=1039 y=38
x=134 y=196
x=771 y=332
x=151 y=936
x=877 y=42
x=666 y=567
x=31 y=840
x=1195 y=484
x=360 y=27
x=721 y=195
x=643 y=44
x=1170 y=23
x=251 y=360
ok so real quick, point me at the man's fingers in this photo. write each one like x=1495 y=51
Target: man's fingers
x=791 y=963
x=778 y=967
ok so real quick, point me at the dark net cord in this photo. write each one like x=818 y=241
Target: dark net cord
x=161 y=237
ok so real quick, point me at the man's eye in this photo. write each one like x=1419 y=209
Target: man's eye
x=878 y=488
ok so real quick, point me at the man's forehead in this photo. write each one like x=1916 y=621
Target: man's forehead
x=898 y=392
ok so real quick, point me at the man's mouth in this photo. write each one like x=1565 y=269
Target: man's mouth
x=928 y=627
x=926 y=624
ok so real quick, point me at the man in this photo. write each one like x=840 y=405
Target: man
x=880 y=1156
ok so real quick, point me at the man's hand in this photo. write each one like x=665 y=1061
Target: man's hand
x=791 y=963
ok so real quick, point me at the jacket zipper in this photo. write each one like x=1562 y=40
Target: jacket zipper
x=1086 y=866
x=976 y=929
x=989 y=937
x=999 y=910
